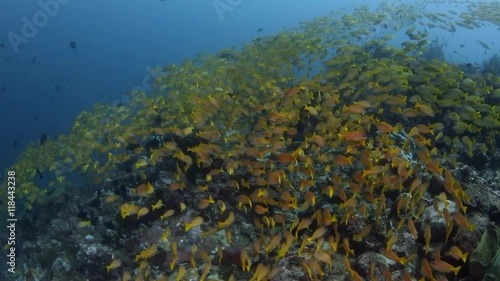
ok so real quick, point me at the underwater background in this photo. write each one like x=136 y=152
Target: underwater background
x=117 y=46
x=250 y=140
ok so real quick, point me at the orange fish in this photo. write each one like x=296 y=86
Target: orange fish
x=181 y=273
x=292 y=92
x=194 y=223
x=318 y=140
x=323 y=257
x=375 y=170
x=393 y=256
x=407 y=276
x=158 y=205
x=457 y=254
x=347 y=248
x=167 y=214
x=445 y=267
x=391 y=242
x=355 y=109
x=384 y=127
x=229 y=220
x=210 y=232
x=286 y=158
x=354 y=275
x=142 y=212
x=114 y=264
x=111 y=198
x=310 y=198
x=205 y=202
x=349 y=203
x=177 y=185
x=425 y=109
x=275 y=240
x=386 y=272
x=229 y=236
x=427 y=236
x=413 y=230
x=261 y=210
x=426 y=269
x=245 y=260
x=128 y=209
x=275 y=177
x=148 y=253
x=353 y=136
x=317 y=234
x=463 y=222
x=144 y=189
x=341 y=160
x=206 y=269
x=285 y=247
x=329 y=190
x=243 y=199
x=304 y=223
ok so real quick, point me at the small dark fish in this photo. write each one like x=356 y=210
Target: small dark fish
x=14 y=143
x=50 y=192
x=462 y=46
x=483 y=44
x=2 y=45
x=72 y=44
x=58 y=88
x=3 y=89
x=260 y=29
x=39 y=173
x=34 y=59
x=43 y=139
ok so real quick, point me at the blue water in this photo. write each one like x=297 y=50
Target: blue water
x=117 y=43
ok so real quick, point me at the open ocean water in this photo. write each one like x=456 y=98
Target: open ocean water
x=250 y=140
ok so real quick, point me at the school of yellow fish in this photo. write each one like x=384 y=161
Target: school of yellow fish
x=307 y=132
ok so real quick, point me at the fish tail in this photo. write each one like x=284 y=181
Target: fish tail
x=456 y=270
